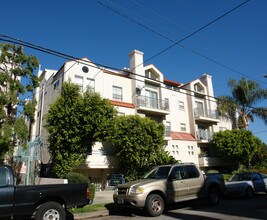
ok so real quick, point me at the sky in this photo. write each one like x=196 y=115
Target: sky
x=106 y=31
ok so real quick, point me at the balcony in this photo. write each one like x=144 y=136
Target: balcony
x=204 y=136
x=152 y=105
x=206 y=115
x=212 y=161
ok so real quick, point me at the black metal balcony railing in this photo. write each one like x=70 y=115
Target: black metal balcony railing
x=204 y=135
x=145 y=101
x=207 y=113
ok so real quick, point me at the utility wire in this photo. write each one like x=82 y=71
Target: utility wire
x=89 y=63
x=184 y=38
x=198 y=30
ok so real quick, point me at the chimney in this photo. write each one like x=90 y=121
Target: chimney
x=136 y=62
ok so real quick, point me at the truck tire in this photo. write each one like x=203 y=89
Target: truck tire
x=154 y=205
x=213 y=195
x=50 y=210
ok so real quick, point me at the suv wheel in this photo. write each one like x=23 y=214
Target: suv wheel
x=154 y=205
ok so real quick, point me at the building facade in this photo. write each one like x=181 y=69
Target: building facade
x=188 y=111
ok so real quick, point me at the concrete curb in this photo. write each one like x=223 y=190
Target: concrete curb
x=83 y=216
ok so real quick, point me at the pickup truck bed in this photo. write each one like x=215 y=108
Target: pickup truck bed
x=38 y=200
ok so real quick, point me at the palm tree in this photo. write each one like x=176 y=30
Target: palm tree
x=246 y=94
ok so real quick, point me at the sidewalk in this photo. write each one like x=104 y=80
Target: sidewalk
x=102 y=197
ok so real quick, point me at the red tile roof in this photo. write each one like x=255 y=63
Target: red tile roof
x=182 y=136
x=173 y=83
x=122 y=104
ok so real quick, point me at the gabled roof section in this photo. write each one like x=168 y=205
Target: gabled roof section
x=182 y=136
x=122 y=104
x=80 y=60
x=155 y=70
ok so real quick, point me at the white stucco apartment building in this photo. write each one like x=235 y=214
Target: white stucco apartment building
x=188 y=111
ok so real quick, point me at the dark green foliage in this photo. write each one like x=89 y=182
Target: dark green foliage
x=80 y=178
x=139 y=143
x=75 y=122
x=77 y=178
x=15 y=66
x=239 y=146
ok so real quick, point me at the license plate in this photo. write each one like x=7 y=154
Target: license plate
x=120 y=200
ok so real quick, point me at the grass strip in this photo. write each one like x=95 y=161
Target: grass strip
x=94 y=207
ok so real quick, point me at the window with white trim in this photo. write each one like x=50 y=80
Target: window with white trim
x=181 y=105
x=90 y=84
x=117 y=93
x=183 y=126
x=78 y=80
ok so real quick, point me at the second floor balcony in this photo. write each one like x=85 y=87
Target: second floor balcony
x=206 y=115
x=153 y=105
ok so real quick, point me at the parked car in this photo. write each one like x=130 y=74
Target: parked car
x=246 y=184
x=38 y=201
x=168 y=184
x=115 y=179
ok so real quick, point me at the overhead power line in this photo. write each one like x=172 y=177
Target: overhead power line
x=91 y=64
x=184 y=38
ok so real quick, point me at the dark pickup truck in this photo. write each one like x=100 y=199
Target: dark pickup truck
x=38 y=201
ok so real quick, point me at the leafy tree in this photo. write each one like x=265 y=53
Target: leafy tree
x=238 y=146
x=15 y=66
x=139 y=144
x=245 y=95
x=75 y=122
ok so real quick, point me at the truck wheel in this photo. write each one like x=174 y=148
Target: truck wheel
x=50 y=211
x=213 y=196
x=154 y=205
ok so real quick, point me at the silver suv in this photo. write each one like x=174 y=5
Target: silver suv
x=169 y=184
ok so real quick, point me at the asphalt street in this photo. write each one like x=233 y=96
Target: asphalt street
x=232 y=209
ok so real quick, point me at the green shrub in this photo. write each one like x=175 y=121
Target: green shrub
x=77 y=178
x=212 y=171
x=226 y=176
x=80 y=178
x=92 y=190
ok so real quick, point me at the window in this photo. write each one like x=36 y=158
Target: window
x=190 y=150
x=121 y=113
x=151 y=99
x=56 y=84
x=166 y=104
x=90 y=84
x=183 y=126
x=117 y=93
x=181 y=105
x=191 y=172
x=198 y=88
x=85 y=69
x=78 y=80
x=168 y=129
x=178 y=173
x=151 y=75
x=3 y=176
